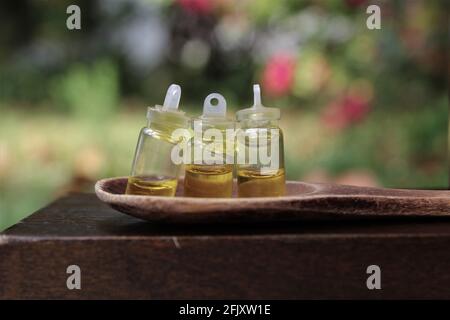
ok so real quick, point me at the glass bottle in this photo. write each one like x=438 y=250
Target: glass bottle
x=259 y=151
x=210 y=173
x=153 y=171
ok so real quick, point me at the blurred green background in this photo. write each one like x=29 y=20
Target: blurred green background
x=359 y=106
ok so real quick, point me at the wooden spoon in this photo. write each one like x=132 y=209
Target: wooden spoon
x=303 y=201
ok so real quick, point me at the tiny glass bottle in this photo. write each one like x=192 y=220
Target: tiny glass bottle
x=210 y=173
x=259 y=151
x=153 y=171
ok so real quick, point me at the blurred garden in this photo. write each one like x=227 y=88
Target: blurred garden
x=359 y=106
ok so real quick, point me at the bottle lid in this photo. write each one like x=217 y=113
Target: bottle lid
x=215 y=115
x=258 y=111
x=169 y=112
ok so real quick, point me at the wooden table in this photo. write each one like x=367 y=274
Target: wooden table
x=123 y=257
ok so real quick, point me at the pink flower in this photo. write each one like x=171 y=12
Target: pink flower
x=349 y=110
x=197 y=6
x=278 y=74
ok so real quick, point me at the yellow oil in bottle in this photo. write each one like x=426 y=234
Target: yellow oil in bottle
x=252 y=183
x=151 y=186
x=209 y=181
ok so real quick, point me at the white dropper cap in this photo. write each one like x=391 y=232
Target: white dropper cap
x=168 y=113
x=215 y=115
x=256 y=96
x=216 y=110
x=172 y=99
x=257 y=111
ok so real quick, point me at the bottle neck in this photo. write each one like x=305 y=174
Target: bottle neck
x=159 y=118
x=161 y=130
x=266 y=123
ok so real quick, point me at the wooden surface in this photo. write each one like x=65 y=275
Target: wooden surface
x=124 y=257
x=303 y=201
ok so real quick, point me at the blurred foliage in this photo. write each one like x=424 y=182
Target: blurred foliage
x=99 y=88
x=358 y=106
